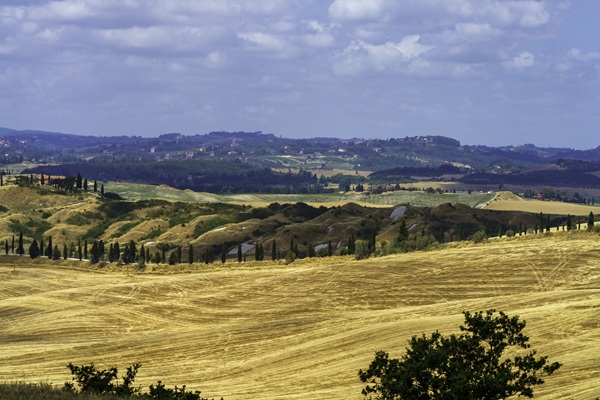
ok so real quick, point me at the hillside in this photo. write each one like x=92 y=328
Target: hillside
x=41 y=213
x=272 y=331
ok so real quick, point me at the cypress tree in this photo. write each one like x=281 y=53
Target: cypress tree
x=132 y=251
x=85 y=185
x=49 y=248
x=117 y=251
x=142 y=256
x=402 y=231
x=43 y=180
x=223 y=254
x=239 y=252
x=547 y=223
x=34 y=250
x=173 y=258
x=95 y=186
x=56 y=253
x=79 y=249
x=292 y=246
x=85 y=249
x=6 y=246
x=190 y=253
x=329 y=249
x=569 y=222
x=13 y=244
x=351 y=244
x=65 y=252
x=93 y=253
x=20 y=249
x=164 y=256
x=311 y=250
x=102 y=189
x=148 y=255
x=274 y=250
x=178 y=254
x=42 y=246
x=127 y=254
x=590 y=224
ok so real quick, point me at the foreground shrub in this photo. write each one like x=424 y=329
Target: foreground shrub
x=87 y=379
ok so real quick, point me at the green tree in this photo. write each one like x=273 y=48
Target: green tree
x=142 y=254
x=94 y=254
x=329 y=249
x=178 y=254
x=362 y=250
x=173 y=258
x=472 y=365
x=20 y=248
x=590 y=224
x=34 y=249
x=56 y=253
x=351 y=244
x=311 y=250
x=402 y=231
x=49 y=248
x=569 y=222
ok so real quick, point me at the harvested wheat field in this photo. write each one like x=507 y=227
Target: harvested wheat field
x=506 y=201
x=302 y=330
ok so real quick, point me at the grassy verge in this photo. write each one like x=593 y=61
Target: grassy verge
x=29 y=391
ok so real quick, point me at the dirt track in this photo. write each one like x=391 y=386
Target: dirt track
x=300 y=331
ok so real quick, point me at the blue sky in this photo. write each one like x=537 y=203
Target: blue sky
x=492 y=72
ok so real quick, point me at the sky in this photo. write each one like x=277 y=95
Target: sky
x=488 y=72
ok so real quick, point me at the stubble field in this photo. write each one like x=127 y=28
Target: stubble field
x=302 y=330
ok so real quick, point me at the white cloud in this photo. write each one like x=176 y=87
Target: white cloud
x=360 y=56
x=523 y=60
x=578 y=55
x=264 y=40
x=358 y=9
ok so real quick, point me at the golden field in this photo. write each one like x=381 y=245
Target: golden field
x=274 y=331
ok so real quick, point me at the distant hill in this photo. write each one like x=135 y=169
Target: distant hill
x=562 y=172
x=329 y=160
